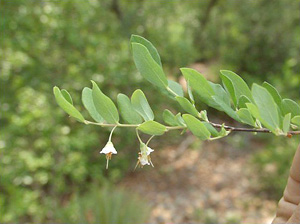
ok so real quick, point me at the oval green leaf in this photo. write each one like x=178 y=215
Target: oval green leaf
x=67 y=96
x=104 y=105
x=187 y=105
x=88 y=103
x=147 y=66
x=196 y=127
x=141 y=105
x=245 y=116
x=273 y=91
x=127 y=111
x=238 y=86
x=66 y=105
x=286 y=123
x=290 y=106
x=150 y=47
x=169 y=118
x=152 y=128
x=267 y=108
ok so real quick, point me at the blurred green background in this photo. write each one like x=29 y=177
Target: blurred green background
x=51 y=170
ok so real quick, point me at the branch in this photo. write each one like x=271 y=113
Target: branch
x=228 y=128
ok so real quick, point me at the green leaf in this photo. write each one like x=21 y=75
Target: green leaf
x=175 y=87
x=67 y=96
x=104 y=105
x=286 y=123
x=196 y=127
x=290 y=106
x=253 y=110
x=238 y=86
x=141 y=105
x=180 y=120
x=226 y=108
x=66 y=106
x=152 y=128
x=229 y=87
x=189 y=90
x=127 y=111
x=147 y=66
x=273 y=91
x=267 y=108
x=296 y=120
x=169 y=118
x=150 y=47
x=187 y=105
x=88 y=103
x=220 y=92
x=242 y=101
x=199 y=84
x=211 y=129
x=245 y=116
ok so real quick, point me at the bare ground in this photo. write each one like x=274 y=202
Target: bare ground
x=206 y=183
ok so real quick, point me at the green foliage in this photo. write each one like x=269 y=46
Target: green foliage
x=147 y=66
x=259 y=103
x=141 y=105
x=127 y=111
x=88 y=102
x=44 y=156
x=152 y=128
x=187 y=105
x=267 y=109
x=196 y=127
x=104 y=105
x=66 y=104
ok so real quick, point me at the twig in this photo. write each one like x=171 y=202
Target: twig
x=228 y=128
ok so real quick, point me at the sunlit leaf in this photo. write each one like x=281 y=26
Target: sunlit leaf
x=187 y=105
x=296 y=120
x=273 y=91
x=245 y=116
x=190 y=93
x=201 y=86
x=147 y=66
x=180 y=120
x=286 y=123
x=127 y=111
x=169 y=118
x=196 y=127
x=67 y=96
x=152 y=128
x=226 y=108
x=66 y=106
x=242 y=101
x=104 y=105
x=175 y=87
x=150 y=47
x=88 y=103
x=290 y=106
x=141 y=105
x=220 y=92
x=267 y=108
x=238 y=86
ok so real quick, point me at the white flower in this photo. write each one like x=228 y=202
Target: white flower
x=144 y=156
x=108 y=150
x=149 y=150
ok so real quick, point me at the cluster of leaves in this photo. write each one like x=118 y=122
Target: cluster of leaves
x=262 y=106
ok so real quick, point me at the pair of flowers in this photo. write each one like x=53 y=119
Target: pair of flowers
x=143 y=156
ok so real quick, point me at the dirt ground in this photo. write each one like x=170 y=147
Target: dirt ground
x=206 y=183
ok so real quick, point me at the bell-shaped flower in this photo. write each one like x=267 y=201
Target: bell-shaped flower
x=108 y=150
x=144 y=156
